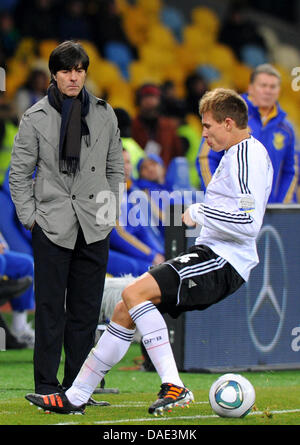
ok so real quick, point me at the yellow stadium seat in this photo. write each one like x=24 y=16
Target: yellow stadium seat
x=291 y=106
x=192 y=37
x=224 y=82
x=122 y=89
x=161 y=37
x=120 y=102
x=12 y=84
x=105 y=74
x=222 y=57
x=197 y=40
x=188 y=57
x=136 y=25
x=152 y=8
x=92 y=51
x=206 y=19
x=155 y=57
x=140 y=74
x=16 y=75
x=46 y=47
x=241 y=77
x=285 y=76
x=26 y=50
x=17 y=69
x=122 y=6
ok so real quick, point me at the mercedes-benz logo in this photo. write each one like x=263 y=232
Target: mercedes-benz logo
x=271 y=250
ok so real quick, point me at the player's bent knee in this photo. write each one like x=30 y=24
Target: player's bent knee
x=120 y=309
x=133 y=295
x=144 y=289
x=127 y=296
x=121 y=315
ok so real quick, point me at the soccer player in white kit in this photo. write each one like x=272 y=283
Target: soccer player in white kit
x=215 y=267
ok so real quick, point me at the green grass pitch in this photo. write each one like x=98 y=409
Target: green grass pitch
x=277 y=397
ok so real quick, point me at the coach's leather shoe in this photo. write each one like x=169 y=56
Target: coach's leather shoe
x=93 y=402
x=90 y=402
x=57 y=403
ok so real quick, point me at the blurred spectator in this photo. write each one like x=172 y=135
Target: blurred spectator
x=133 y=243
x=176 y=110
x=17 y=237
x=152 y=131
x=152 y=173
x=73 y=24
x=34 y=89
x=12 y=288
x=107 y=25
x=268 y=123
x=38 y=18
x=16 y=265
x=8 y=130
x=195 y=86
x=133 y=148
x=147 y=176
x=168 y=91
x=10 y=340
x=238 y=31
x=152 y=180
x=9 y=34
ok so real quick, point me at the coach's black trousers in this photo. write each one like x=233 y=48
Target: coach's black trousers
x=68 y=293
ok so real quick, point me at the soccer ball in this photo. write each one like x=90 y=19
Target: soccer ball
x=232 y=395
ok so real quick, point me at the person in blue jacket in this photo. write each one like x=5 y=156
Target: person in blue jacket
x=268 y=123
x=134 y=245
x=16 y=236
x=16 y=265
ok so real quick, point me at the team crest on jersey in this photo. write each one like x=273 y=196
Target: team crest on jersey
x=278 y=141
x=246 y=203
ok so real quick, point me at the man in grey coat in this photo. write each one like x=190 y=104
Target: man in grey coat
x=69 y=143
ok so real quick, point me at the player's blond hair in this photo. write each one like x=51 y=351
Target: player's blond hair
x=223 y=103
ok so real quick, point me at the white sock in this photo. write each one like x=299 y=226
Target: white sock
x=19 y=320
x=155 y=337
x=110 y=349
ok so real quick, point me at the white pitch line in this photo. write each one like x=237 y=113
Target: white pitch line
x=208 y=416
x=142 y=404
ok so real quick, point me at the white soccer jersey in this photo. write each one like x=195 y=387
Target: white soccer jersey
x=234 y=205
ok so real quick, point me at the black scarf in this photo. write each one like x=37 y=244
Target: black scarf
x=73 y=126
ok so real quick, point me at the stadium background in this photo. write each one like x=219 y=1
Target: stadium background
x=152 y=41
x=161 y=41
x=168 y=40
